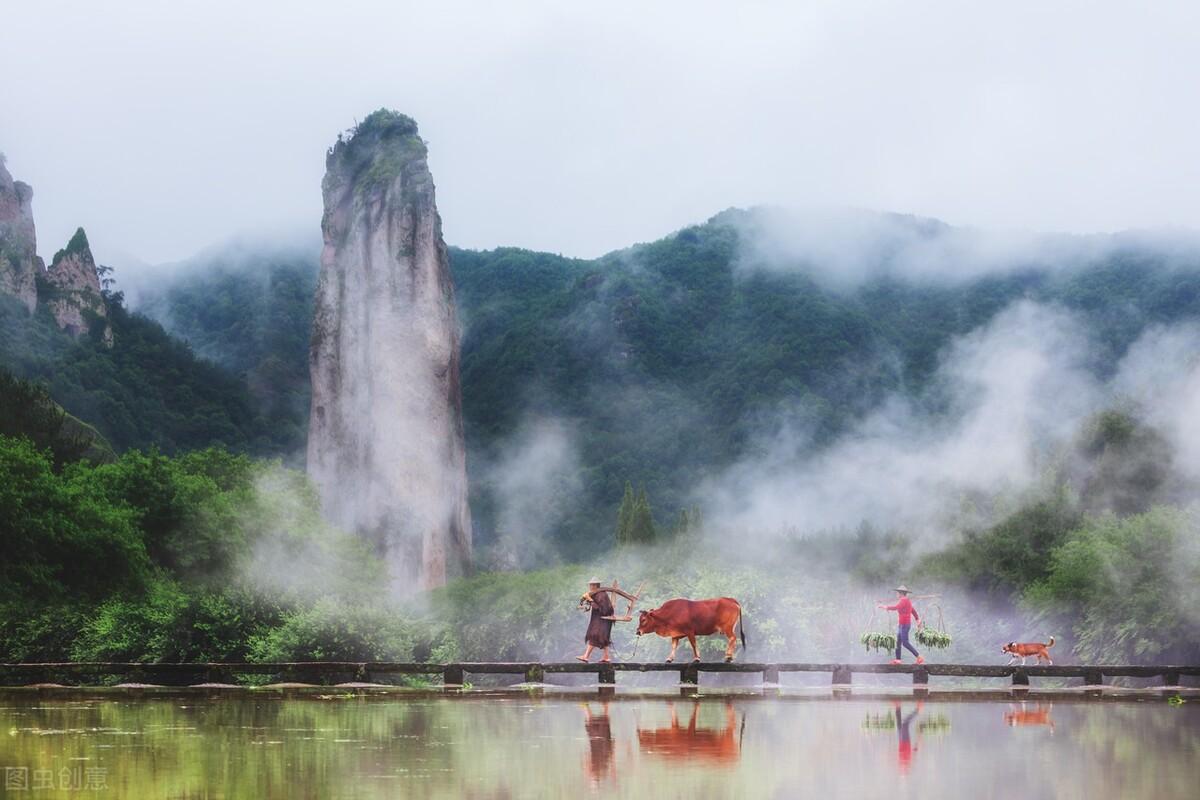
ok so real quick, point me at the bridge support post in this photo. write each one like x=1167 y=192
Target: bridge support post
x=1020 y=677
x=1171 y=679
x=771 y=674
x=218 y=675
x=690 y=674
x=1093 y=677
x=841 y=675
x=452 y=675
x=920 y=677
x=608 y=675
x=535 y=674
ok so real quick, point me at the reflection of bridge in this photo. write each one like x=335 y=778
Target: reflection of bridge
x=454 y=674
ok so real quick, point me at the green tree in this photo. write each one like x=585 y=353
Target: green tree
x=61 y=536
x=1128 y=587
x=641 y=525
x=625 y=516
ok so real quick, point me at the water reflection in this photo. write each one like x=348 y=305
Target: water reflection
x=720 y=745
x=904 y=746
x=261 y=745
x=600 y=745
x=1038 y=715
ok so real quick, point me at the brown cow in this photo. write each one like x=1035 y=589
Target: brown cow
x=678 y=619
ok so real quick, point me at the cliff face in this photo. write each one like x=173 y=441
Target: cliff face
x=73 y=284
x=70 y=288
x=385 y=445
x=19 y=264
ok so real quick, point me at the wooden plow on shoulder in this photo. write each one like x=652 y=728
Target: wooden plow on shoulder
x=585 y=602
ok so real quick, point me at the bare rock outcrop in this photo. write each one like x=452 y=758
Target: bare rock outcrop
x=70 y=289
x=19 y=263
x=385 y=445
x=73 y=290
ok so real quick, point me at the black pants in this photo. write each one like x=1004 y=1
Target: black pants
x=902 y=641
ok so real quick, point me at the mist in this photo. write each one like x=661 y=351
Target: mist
x=844 y=247
x=202 y=120
x=1018 y=392
x=535 y=479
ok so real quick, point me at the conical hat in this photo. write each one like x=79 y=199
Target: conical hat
x=594 y=582
x=903 y=588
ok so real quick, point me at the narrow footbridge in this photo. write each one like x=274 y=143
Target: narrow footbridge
x=456 y=674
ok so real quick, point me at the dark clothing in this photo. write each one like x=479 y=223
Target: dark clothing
x=902 y=641
x=599 y=631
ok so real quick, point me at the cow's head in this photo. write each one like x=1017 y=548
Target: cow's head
x=647 y=622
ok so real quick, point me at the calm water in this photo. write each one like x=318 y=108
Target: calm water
x=510 y=745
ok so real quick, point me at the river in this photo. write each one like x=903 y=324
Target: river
x=334 y=743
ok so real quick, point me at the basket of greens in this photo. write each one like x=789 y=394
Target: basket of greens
x=874 y=640
x=936 y=638
x=928 y=637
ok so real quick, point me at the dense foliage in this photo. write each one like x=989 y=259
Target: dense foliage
x=205 y=556
x=252 y=315
x=666 y=359
x=148 y=389
x=26 y=409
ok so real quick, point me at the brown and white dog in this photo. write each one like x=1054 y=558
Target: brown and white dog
x=1024 y=650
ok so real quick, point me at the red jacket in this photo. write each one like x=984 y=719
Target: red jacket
x=904 y=609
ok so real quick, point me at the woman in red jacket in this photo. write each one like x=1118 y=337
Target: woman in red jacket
x=905 y=611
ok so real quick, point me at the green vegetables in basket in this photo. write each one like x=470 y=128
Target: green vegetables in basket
x=879 y=722
x=928 y=637
x=878 y=641
x=935 y=724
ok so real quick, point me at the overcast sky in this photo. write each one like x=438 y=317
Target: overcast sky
x=164 y=127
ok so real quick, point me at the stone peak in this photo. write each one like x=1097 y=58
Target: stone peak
x=77 y=246
x=379 y=146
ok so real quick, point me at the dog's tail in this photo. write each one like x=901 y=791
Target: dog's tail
x=1050 y=643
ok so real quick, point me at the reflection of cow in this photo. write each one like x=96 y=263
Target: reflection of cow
x=1038 y=716
x=679 y=619
x=713 y=745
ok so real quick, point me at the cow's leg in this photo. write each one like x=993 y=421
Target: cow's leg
x=695 y=650
x=730 y=648
x=674 y=647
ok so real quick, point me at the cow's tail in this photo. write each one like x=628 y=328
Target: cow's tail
x=742 y=627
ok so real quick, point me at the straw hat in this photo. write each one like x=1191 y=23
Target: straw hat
x=904 y=589
x=594 y=582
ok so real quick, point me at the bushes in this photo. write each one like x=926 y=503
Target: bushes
x=1006 y=557
x=207 y=556
x=335 y=630
x=60 y=535
x=1129 y=587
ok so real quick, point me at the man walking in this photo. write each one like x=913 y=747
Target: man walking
x=906 y=613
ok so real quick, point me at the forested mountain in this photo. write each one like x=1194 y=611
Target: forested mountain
x=664 y=360
x=147 y=390
x=588 y=385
